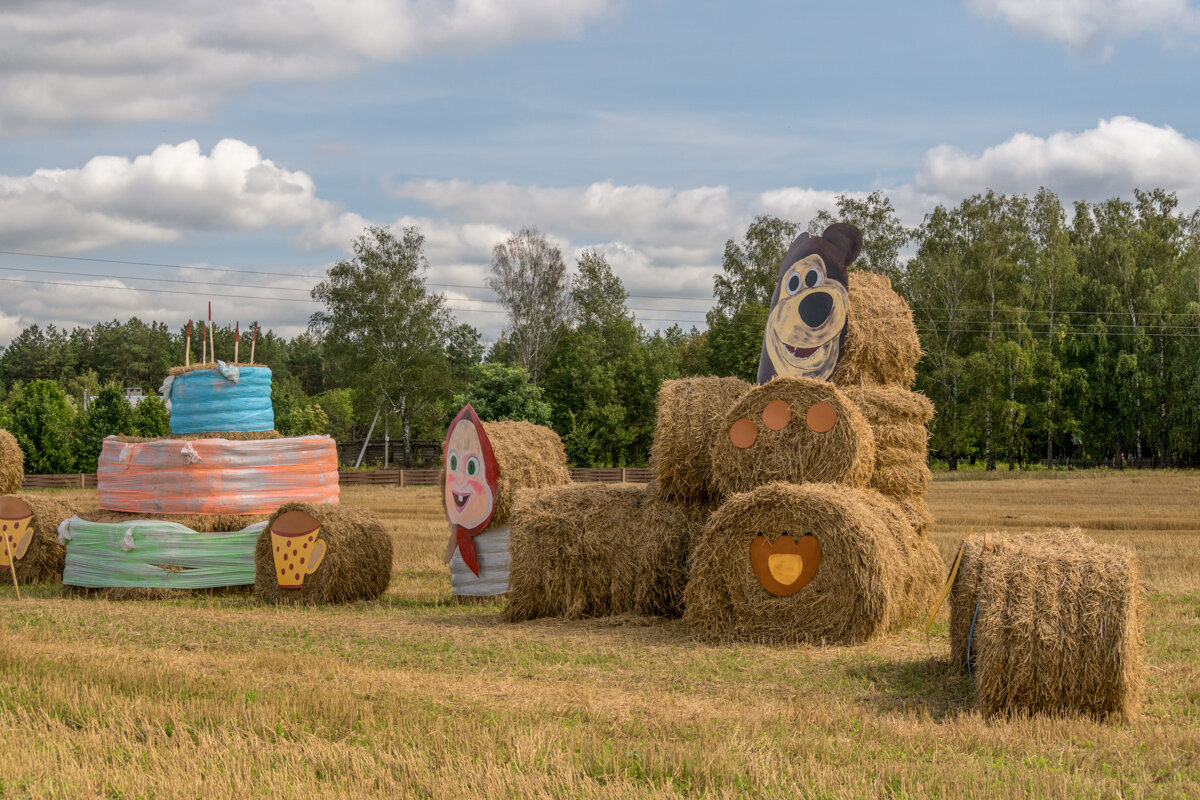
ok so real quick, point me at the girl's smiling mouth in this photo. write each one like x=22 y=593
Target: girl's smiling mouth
x=460 y=500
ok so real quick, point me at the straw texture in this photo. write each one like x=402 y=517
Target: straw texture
x=874 y=572
x=357 y=564
x=528 y=456
x=881 y=345
x=691 y=416
x=12 y=463
x=844 y=454
x=590 y=550
x=43 y=560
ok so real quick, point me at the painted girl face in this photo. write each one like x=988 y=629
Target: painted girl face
x=468 y=497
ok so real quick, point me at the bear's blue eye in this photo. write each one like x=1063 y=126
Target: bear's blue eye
x=813 y=277
x=793 y=283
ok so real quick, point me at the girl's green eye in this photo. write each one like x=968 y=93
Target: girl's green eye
x=472 y=466
x=453 y=462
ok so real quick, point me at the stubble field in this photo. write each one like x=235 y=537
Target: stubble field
x=417 y=697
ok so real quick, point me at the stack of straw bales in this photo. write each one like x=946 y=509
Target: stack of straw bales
x=43 y=559
x=1055 y=623
x=357 y=563
x=691 y=418
x=898 y=417
x=12 y=463
x=590 y=549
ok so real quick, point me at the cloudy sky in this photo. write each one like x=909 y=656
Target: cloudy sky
x=156 y=155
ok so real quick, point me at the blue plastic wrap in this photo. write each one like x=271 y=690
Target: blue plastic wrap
x=207 y=401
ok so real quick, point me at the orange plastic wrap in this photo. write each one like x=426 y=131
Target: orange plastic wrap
x=216 y=476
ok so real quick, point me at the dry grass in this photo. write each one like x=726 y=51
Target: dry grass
x=417 y=697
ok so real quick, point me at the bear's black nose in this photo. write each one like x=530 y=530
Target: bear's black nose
x=815 y=308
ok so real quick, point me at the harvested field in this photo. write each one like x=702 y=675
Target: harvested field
x=416 y=697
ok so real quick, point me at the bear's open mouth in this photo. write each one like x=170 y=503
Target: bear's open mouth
x=800 y=352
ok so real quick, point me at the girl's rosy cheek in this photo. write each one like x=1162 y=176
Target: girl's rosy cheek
x=476 y=485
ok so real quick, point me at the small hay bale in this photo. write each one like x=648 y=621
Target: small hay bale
x=796 y=452
x=180 y=369
x=593 y=550
x=881 y=340
x=889 y=405
x=43 y=559
x=357 y=563
x=874 y=571
x=1059 y=631
x=528 y=456
x=691 y=416
x=12 y=463
x=245 y=436
x=902 y=480
x=965 y=591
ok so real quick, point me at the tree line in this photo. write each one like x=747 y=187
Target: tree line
x=1049 y=334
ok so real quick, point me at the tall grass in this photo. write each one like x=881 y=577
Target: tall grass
x=416 y=697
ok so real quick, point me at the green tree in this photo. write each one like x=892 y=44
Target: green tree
x=500 y=392
x=43 y=422
x=109 y=414
x=151 y=418
x=303 y=420
x=383 y=332
x=750 y=269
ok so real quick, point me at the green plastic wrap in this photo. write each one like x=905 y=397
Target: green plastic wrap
x=154 y=554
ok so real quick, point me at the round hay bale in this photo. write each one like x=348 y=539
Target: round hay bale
x=41 y=560
x=881 y=344
x=864 y=583
x=12 y=463
x=1060 y=630
x=356 y=560
x=964 y=594
x=592 y=549
x=691 y=416
x=784 y=440
x=528 y=456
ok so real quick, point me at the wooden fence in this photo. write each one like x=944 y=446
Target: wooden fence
x=365 y=477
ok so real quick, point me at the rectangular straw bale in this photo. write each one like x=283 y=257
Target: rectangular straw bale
x=691 y=415
x=1059 y=631
x=528 y=456
x=592 y=550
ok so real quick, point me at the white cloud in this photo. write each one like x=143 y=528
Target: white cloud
x=79 y=60
x=155 y=197
x=1086 y=23
x=1113 y=158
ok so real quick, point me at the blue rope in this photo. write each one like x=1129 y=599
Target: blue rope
x=971 y=636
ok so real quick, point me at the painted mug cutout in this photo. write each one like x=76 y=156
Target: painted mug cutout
x=298 y=550
x=821 y=417
x=787 y=565
x=16 y=519
x=743 y=433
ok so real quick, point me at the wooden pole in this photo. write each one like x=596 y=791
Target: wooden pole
x=253 y=341
x=12 y=565
x=237 y=339
x=212 y=337
x=187 y=349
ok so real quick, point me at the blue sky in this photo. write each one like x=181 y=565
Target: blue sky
x=263 y=135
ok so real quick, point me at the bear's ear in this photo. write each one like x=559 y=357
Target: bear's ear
x=846 y=238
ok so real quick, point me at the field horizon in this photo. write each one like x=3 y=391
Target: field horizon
x=417 y=696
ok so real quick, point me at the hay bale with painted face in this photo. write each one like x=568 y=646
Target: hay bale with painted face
x=318 y=553
x=485 y=465
x=593 y=549
x=690 y=418
x=30 y=536
x=815 y=563
x=797 y=430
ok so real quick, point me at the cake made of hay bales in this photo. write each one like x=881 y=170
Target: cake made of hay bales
x=1058 y=628
x=12 y=463
x=355 y=562
x=867 y=571
x=796 y=430
x=690 y=418
x=592 y=550
x=30 y=523
x=881 y=345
